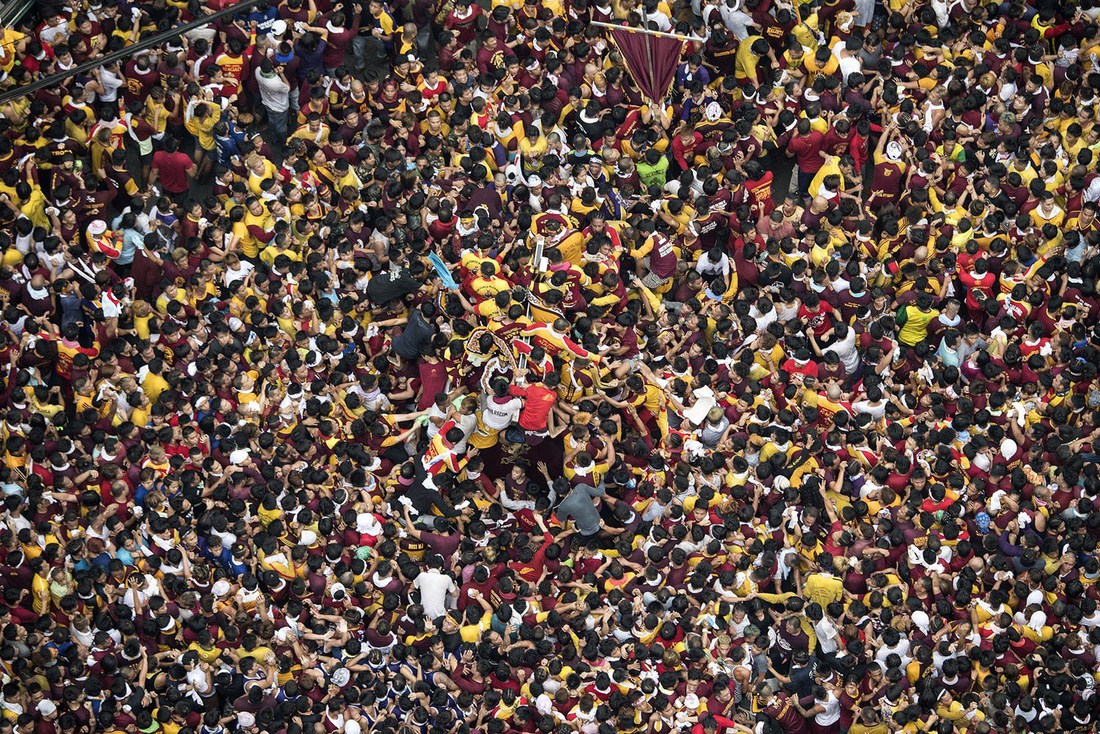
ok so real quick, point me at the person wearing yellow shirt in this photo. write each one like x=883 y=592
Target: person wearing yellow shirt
x=42 y=402
x=345 y=175
x=139 y=415
x=794 y=59
x=12 y=46
x=831 y=167
x=269 y=510
x=914 y=320
x=1048 y=212
x=156 y=112
x=248 y=401
x=259 y=169
x=1022 y=166
x=200 y=118
x=207 y=651
x=646 y=401
x=314 y=132
x=278 y=247
x=279 y=561
x=30 y=202
x=1073 y=140
x=532 y=146
x=488 y=284
x=153 y=384
x=477 y=618
x=822 y=586
x=822 y=64
x=869 y=723
x=746 y=62
x=259 y=227
x=40 y=586
x=961 y=716
x=583 y=468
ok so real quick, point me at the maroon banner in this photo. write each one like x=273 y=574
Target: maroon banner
x=650 y=59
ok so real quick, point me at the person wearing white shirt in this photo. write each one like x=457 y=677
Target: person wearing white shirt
x=434 y=585
x=737 y=20
x=846 y=348
x=826 y=631
x=847 y=55
x=713 y=264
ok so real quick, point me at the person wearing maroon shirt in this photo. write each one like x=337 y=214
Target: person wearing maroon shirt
x=173 y=169
x=778 y=707
x=462 y=21
x=806 y=146
x=339 y=37
x=140 y=75
x=889 y=170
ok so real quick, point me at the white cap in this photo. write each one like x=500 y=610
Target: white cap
x=220 y=588
x=239 y=456
x=246 y=719
x=97 y=228
x=352 y=726
x=534 y=182
x=341 y=677
x=308 y=538
x=278 y=28
x=367 y=524
x=47 y=707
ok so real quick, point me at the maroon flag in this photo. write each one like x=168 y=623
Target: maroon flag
x=650 y=59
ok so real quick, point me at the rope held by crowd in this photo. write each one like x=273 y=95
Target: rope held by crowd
x=142 y=45
x=646 y=31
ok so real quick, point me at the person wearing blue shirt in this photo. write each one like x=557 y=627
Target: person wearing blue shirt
x=132 y=238
x=691 y=70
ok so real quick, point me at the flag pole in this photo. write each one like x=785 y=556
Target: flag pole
x=645 y=31
x=540 y=246
x=649 y=51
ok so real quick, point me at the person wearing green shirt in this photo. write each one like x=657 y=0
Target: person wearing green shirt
x=652 y=169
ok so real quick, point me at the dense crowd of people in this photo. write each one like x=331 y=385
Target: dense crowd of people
x=402 y=368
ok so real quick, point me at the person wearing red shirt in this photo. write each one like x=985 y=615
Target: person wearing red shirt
x=38 y=55
x=531 y=565
x=818 y=315
x=684 y=145
x=758 y=183
x=978 y=280
x=540 y=397
x=801 y=364
x=711 y=724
